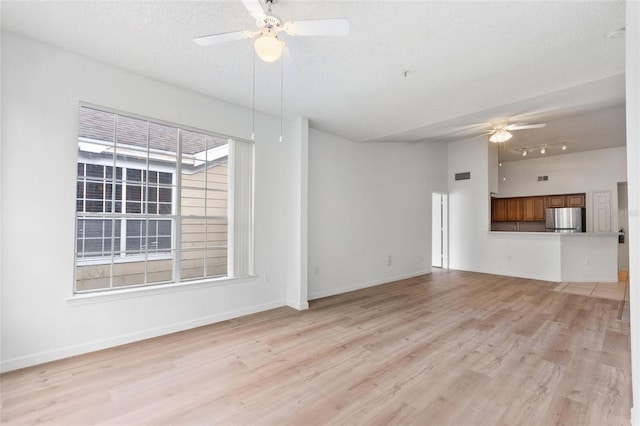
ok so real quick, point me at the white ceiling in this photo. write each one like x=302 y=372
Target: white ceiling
x=468 y=63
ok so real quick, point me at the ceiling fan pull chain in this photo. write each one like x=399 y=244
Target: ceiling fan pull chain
x=253 y=98
x=281 y=94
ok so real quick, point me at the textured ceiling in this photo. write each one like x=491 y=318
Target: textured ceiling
x=467 y=63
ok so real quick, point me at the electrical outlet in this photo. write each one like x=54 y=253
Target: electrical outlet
x=389 y=260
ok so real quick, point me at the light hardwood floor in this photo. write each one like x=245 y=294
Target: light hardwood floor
x=451 y=348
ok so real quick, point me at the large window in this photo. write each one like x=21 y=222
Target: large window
x=159 y=203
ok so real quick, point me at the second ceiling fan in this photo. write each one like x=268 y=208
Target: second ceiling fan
x=502 y=133
x=268 y=46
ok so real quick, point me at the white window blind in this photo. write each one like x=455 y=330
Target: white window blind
x=241 y=241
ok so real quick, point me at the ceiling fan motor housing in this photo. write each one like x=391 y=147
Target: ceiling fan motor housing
x=269 y=22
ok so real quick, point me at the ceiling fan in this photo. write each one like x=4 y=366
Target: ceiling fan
x=268 y=46
x=502 y=133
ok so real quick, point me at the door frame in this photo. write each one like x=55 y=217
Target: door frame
x=440 y=239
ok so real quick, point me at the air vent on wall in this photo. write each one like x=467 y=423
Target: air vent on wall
x=463 y=176
x=543 y=178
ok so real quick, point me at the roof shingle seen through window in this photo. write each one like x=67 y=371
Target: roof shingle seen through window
x=100 y=125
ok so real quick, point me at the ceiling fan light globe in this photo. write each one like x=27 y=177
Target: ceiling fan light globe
x=500 y=135
x=269 y=49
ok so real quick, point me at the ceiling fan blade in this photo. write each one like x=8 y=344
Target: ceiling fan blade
x=318 y=27
x=255 y=8
x=525 y=126
x=212 y=39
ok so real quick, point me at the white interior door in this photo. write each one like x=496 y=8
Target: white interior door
x=436 y=230
x=601 y=208
x=439 y=231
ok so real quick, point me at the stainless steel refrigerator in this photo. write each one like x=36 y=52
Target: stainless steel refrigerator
x=567 y=219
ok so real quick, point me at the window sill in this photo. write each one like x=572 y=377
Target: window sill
x=127 y=293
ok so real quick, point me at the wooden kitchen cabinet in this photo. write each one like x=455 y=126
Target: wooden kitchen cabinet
x=574 y=200
x=533 y=209
x=506 y=209
x=554 y=201
x=498 y=209
x=514 y=209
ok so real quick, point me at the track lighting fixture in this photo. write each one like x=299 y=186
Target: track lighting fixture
x=526 y=150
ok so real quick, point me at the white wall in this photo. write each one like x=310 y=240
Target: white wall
x=633 y=179
x=471 y=246
x=588 y=171
x=41 y=89
x=597 y=170
x=366 y=202
x=589 y=258
x=297 y=217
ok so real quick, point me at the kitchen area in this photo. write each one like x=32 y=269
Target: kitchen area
x=497 y=215
x=575 y=227
x=557 y=203
x=558 y=212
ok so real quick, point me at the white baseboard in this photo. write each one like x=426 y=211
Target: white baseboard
x=298 y=305
x=346 y=289
x=589 y=279
x=541 y=277
x=635 y=417
x=508 y=274
x=96 y=345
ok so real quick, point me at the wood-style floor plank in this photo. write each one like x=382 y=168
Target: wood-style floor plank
x=449 y=348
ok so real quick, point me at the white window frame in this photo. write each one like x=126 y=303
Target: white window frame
x=240 y=243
